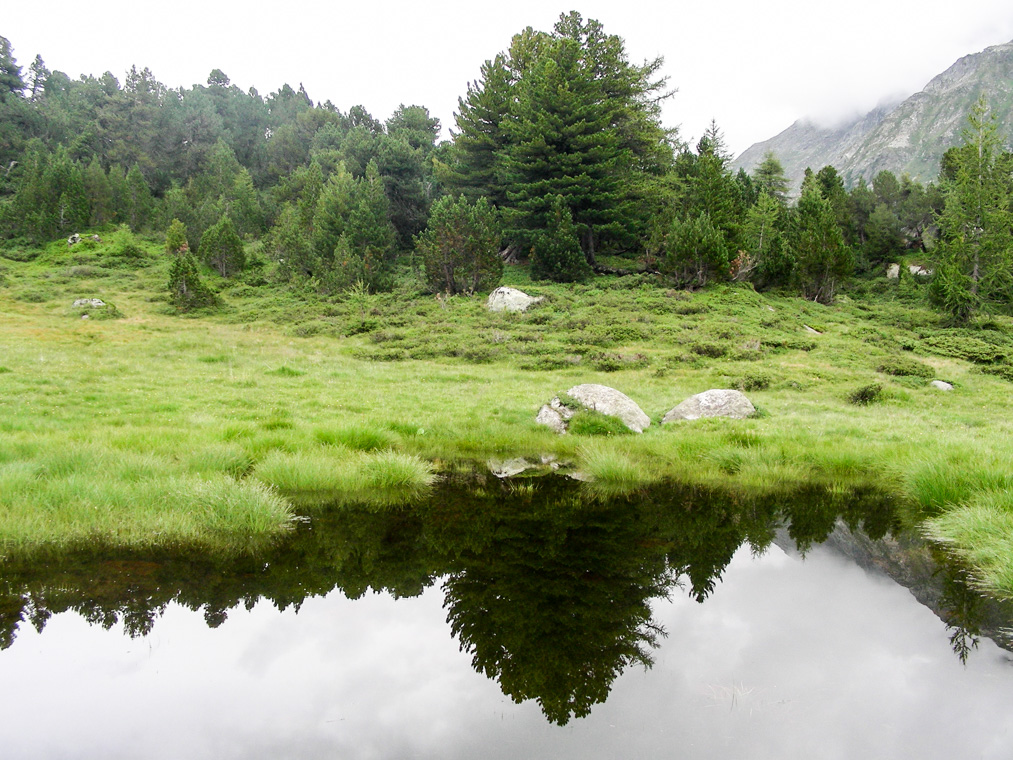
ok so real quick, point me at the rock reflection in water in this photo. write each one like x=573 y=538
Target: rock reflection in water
x=547 y=585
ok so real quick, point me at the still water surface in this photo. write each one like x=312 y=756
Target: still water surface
x=347 y=642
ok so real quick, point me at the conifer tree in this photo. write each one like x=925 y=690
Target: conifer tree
x=221 y=248
x=186 y=291
x=694 y=252
x=175 y=238
x=819 y=256
x=460 y=247
x=770 y=177
x=976 y=225
x=556 y=253
x=475 y=169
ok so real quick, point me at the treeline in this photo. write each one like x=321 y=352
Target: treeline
x=558 y=157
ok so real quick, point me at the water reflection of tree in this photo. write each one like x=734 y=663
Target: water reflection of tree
x=554 y=603
x=549 y=587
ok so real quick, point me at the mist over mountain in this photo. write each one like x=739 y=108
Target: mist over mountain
x=908 y=137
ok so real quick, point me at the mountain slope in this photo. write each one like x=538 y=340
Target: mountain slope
x=909 y=137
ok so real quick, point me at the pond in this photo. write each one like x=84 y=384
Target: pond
x=517 y=619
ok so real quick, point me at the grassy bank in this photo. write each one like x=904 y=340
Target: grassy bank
x=148 y=427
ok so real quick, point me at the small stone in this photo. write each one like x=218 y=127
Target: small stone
x=893 y=272
x=85 y=303
x=941 y=385
x=811 y=331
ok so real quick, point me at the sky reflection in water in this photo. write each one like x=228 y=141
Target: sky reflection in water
x=786 y=659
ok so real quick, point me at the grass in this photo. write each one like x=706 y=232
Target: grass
x=336 y=474
x=125 y=430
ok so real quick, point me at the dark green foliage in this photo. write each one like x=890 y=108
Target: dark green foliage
x=884 y=238
x=866 y=394
x=563 y=113
x=694 y=252
x=975 y=253
x=710 y=350
x=820 y=260
x=460 y=247
x=186 y=291
x=222 y=250
x=556 y=253
x=963 y=346
x=475 y=163
x=11 y=83
x=954 y=293
x=753 y=381
x=903 y=366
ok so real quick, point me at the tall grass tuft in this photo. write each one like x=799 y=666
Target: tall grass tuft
x=338 y=474
x=611 y=467
x=981 y=534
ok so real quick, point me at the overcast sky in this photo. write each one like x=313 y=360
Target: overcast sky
x=755 y=67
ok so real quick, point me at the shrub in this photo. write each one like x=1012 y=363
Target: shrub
x=964 y=347
x=711 y=350
x=903 y=366
x=754 y=381
x=866 y=394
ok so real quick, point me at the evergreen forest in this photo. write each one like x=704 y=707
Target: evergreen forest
x=557 y=158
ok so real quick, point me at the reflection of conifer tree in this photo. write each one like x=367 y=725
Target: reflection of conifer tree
x=560 y=605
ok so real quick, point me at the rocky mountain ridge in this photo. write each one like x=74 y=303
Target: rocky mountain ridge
x=908 y=137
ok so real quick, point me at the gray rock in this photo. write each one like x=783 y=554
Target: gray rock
x=893 y=272
x=941 y=385
x=554 y=415
x=712 y=403
x=510 y=299
x=74 y=239
x=599 y=398
x=811 y=330
x=920 y=271
x=609 y=401
x=85 y=303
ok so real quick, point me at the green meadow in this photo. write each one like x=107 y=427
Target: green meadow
x=138 y=427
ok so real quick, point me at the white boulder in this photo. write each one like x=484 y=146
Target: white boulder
x=510 y=299
x=712 y=403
